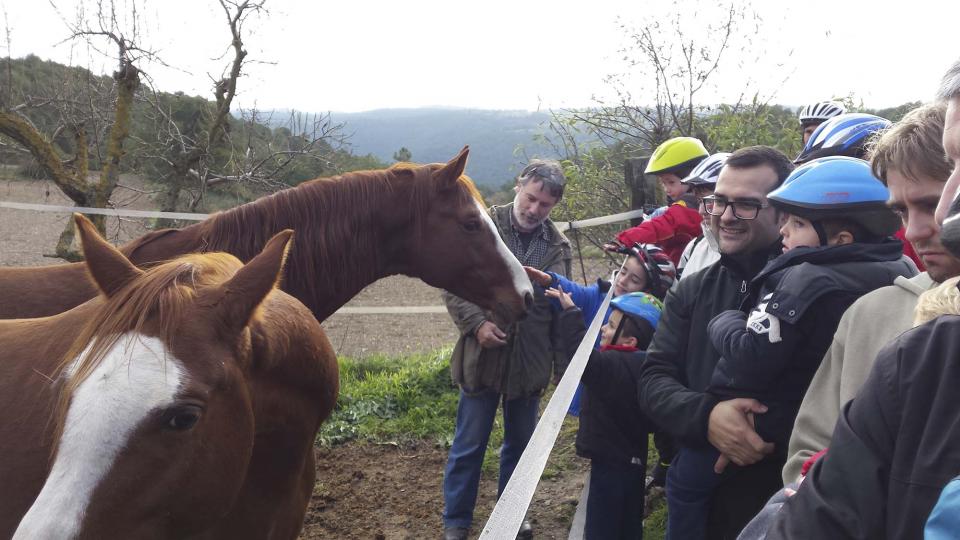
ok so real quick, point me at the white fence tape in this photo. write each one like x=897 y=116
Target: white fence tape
x=104 y=211
x=118 y=212
x=508 y=514
x=602 y=220
x=389 y=310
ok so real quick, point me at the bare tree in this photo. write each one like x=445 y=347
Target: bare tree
x=83 y=115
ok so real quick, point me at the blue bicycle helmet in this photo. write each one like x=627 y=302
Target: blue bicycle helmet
x=639 y=305
x=843 y=135
x=837 y=187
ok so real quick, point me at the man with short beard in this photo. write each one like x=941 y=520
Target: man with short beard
x=511 y=365
x=908 y=158
x=681 y=361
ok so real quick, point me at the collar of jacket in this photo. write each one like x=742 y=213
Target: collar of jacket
x=745 y=268
x=624 y=348
x=888 y=250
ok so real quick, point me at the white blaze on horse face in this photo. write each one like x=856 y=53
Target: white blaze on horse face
x=520 y=280
x=136 y=377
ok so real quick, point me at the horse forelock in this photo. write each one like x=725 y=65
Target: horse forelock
x=152 y=304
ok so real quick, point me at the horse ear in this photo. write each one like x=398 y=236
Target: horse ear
x=448 y=175
x=251 y=284
x=109 y=268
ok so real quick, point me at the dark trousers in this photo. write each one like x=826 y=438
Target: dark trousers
x=691 y=484
x=732 y=499
x=615 y=502
x=742 y=496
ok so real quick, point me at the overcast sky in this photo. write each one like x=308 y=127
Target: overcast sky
x=357 y=55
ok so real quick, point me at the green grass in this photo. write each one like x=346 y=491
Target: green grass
x=410 y=399
x=394 y=399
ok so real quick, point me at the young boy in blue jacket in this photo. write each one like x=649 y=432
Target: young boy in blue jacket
x=613 y=431
x=836 y=245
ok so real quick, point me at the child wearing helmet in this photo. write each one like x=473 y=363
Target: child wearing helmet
x=837 y=247
x=646 y=269
x=679 y=222
x=813 y=115
x=703 y=250
x=850 y=134
x=613 y=430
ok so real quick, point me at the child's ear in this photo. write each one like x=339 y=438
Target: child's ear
x=628 y=341
x=843 y=238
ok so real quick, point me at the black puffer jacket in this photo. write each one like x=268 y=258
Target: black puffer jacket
x=612 y=427
x=773 y=355
x=894 y=447
x=680 y=361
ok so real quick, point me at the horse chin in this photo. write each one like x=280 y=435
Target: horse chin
x=504 y=314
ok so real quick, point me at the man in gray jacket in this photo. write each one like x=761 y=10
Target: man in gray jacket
x=910 y=159
x=510 y=365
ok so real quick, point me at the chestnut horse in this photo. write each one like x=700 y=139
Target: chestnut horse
x=182 y=402
x=422 y=221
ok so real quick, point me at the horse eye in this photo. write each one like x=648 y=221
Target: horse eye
x=472 y=226
x=183 y=418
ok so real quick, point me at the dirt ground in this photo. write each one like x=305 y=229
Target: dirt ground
x=363 y=491
x=403 y=485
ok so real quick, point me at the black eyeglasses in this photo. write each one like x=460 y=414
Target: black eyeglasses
x=743 y=210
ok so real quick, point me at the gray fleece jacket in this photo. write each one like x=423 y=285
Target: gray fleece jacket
x=870 y=323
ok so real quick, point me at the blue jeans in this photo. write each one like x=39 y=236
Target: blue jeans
x=475 y=416
x=690 y=486
x=615 y=501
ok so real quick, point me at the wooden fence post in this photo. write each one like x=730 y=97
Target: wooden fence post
x=643 y=187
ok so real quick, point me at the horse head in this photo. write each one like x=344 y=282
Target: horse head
x=459 y=247
x=155 y=428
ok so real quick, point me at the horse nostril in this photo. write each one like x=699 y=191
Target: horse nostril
x=528 y=300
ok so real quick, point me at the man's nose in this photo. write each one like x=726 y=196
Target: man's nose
x=920 y=227
x=948 y=197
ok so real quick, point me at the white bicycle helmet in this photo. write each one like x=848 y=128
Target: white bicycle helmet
x=707 y=171
x=820 y=112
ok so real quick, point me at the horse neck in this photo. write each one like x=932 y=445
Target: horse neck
x=344 y=235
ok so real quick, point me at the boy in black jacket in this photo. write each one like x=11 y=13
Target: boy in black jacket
x=613 y=431
x=835 y=229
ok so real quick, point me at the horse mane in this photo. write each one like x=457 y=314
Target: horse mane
x=160 y=294
x=328 y=213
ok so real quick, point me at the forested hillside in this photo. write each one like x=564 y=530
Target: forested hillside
x=500 y=141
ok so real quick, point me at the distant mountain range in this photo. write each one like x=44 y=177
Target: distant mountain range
x=500 y=141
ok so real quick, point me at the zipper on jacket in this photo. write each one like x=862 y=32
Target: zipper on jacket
x=743 y=286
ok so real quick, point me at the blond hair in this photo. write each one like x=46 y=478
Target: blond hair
x=941 y=300
x=913 y=146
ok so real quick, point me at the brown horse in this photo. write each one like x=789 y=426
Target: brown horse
x=422 y=221
x=182 y=402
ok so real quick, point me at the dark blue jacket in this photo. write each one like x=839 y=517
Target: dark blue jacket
x=612 y=426
x=773 y=354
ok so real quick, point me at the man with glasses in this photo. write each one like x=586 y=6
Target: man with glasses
x=681 y=360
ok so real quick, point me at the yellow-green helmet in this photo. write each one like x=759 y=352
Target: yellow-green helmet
x=678 y=155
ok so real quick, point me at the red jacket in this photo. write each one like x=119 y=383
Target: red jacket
x=672 y=230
